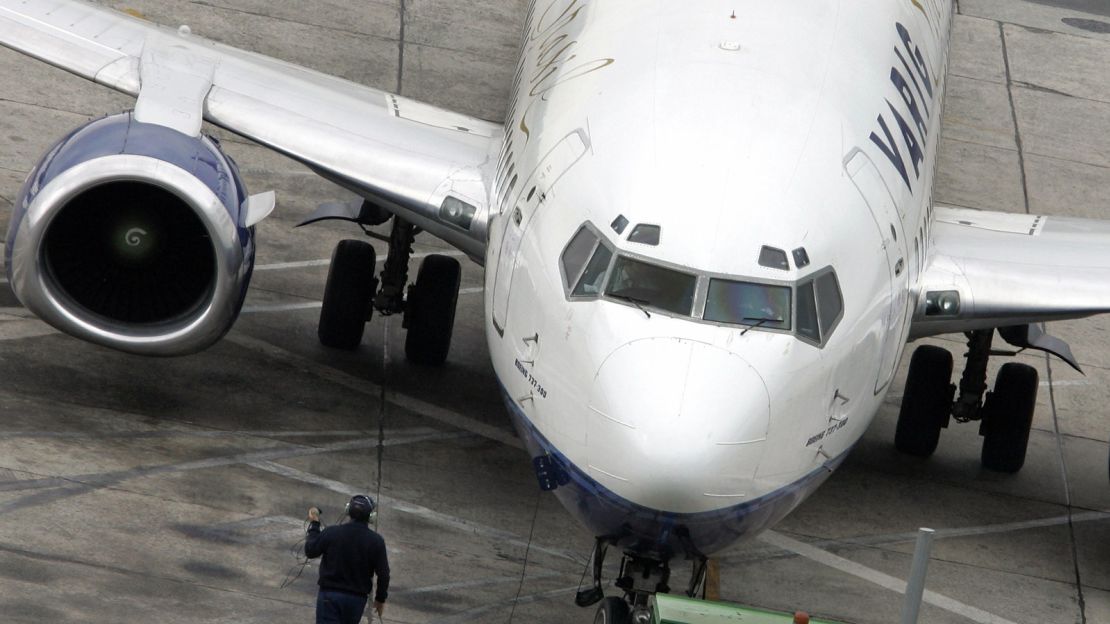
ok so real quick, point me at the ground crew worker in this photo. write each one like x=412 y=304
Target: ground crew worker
x=353 y=555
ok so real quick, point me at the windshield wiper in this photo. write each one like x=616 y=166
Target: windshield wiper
x=760 y=321
x=639 y=303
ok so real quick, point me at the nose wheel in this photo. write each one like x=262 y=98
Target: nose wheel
x=612 y=610
x=1005 y=414
x=429 y=309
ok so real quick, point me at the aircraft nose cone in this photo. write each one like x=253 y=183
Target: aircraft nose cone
x=677 y=425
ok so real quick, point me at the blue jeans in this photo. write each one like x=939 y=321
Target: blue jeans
x=339 y=608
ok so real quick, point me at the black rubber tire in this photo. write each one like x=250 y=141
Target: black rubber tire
x=430 y=312
x=1008 y=416
x=926 y=401
x=612 y=610
x=348 y=295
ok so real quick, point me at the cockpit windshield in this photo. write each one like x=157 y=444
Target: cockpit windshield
x=809 y=307
x=748 y=303
x=652 y=285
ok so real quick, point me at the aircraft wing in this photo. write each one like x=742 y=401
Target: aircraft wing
x=1011 y=270
x=409 y=157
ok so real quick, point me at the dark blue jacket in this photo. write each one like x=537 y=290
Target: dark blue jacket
x=353 y=555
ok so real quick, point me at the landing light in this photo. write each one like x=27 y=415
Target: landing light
x=942 y=303
x=457 y=212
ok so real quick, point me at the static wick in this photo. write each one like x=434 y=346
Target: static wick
x=184 y=31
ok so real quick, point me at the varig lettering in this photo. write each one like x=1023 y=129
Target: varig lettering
x=910 y=114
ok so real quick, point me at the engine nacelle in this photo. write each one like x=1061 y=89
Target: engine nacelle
x=131 y=236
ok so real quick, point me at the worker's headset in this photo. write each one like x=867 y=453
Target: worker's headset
x=361 y=508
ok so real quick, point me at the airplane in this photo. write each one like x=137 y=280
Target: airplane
x=707 y=229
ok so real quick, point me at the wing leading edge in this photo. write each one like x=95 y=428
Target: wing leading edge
x=412 y=158
x=1012 y=270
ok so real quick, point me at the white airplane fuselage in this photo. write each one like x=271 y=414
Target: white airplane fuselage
x=732 y=127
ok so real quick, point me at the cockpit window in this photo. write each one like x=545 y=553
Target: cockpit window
x=819 y=306
x=619 y=224
x=748 y=303
x=653 y=286
x=594 y=275
x=773 y=258
x=829 y=302
x=576 y=254
x=807 y=313
x=645 y=234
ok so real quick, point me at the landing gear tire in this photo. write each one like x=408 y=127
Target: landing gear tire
x=612 y=610
x=347 y=295
x=1008 y=416
x=926 y=401
x=430 y=312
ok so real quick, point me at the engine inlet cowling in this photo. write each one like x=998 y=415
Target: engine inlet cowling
x=129 y=235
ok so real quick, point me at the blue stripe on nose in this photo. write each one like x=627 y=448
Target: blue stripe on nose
x=605 y=513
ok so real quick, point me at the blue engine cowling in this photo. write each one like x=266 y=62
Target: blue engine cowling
x=130 y=235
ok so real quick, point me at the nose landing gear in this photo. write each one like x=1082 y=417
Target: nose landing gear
x=429 y=309
x=641 y=577
x=1005 y=414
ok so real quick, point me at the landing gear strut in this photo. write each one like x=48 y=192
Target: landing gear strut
x=1005 y=415
x=429 y=308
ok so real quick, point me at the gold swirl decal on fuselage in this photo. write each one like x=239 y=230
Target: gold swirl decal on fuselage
x=556 y=61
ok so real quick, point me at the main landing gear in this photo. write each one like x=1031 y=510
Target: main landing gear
x=1005 y=414
x=352 y=294
x=640 y=577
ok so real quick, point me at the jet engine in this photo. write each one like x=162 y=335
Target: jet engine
x=133 y=236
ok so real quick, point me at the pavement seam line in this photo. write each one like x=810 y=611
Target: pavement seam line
x=467 y=527
x=1013 y=116
x=886 y=581
x=366 y=387
x=870 y=541
x=401 y=48
x=474 y=583
x=64 y=111
x=362 y=386
x=470 y=614
x=976 y=78
x=278 y=18
x=72 y=560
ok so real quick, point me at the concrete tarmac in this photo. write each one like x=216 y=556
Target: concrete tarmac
x=136 y=490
